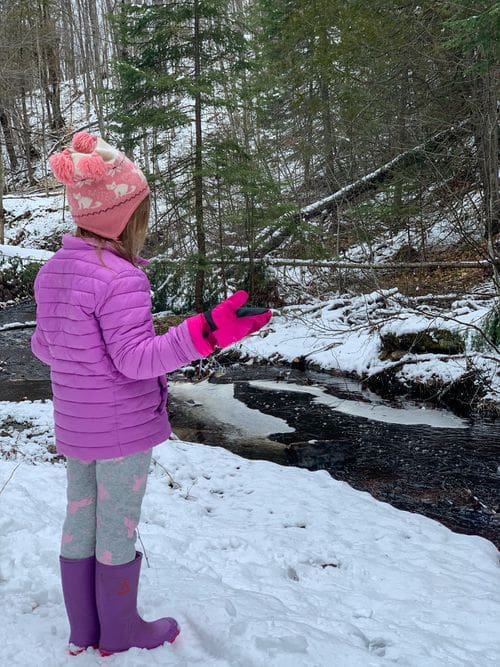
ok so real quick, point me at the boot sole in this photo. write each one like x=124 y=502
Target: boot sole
x=82 y=649
x=107 y=654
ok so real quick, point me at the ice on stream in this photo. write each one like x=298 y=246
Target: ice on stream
x=379 y=412
x=218 y=401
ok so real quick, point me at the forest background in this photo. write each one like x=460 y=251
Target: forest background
x=272 y=131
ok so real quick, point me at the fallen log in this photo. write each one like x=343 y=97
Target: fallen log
x=352 y=192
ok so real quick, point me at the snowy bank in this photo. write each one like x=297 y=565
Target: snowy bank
x=263 y=566
x=33 y=254
x=345 y=334
x=35 y=221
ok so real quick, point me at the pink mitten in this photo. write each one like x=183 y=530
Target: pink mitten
x=229 y=322
x=226 y=323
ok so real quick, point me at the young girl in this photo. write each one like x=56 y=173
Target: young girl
x=95 y=330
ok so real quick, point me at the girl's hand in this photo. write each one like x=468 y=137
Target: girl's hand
x=227 y=323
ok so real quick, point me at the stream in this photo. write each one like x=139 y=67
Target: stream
x=408 y=454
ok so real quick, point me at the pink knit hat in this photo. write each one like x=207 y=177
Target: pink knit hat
x=103 y=186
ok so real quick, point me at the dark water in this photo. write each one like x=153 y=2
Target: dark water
x=22 y=312
x=22 y=376
x=451 y=475
x=448 y=474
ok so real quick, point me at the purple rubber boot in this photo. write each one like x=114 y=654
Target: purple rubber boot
x=78 y=584
x=121 y=625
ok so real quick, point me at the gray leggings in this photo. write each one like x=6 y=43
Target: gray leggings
x=104 y=507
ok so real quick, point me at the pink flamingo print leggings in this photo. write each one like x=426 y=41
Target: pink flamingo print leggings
x=104 y=507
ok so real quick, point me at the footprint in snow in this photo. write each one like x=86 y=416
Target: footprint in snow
x=286 y=644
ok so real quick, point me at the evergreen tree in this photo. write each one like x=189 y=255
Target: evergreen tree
x=349 y=86
x=475 y=35
x=174 y=63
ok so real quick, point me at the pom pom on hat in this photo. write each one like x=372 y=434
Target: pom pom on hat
x=83 y=142
x=92 y=167
x=63 y=167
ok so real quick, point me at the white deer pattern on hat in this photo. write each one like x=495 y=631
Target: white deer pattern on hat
x=121 y=189
x=86 y=202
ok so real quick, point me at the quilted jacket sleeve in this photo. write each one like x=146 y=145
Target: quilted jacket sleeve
x=124 y=315
x=39 y=345
x=40 y=348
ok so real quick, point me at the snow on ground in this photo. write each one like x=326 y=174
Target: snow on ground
x=32 y=219
x=437 y=233
x=263 y=566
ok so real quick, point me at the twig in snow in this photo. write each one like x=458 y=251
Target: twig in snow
x=10 y=477
x=172 y=484
x=187 y=495
x=143 y=547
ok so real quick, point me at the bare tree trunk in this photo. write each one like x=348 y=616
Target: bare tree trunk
x=326 y=118
x=399 y=135
x=82 y=34
x=67 y=26
x=111 y=40
x=2 y=212
x=50 y=69
x=328 y=135
x=490 y=174
x=198 y=167
x=44 y=105
x=5 y=122
x=26 y=138
x=307 y=154
x=54 y=83
x=220 y=228
x=96 y=51
x=486 y=120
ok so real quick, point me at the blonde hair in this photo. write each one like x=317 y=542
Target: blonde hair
x=131 y=241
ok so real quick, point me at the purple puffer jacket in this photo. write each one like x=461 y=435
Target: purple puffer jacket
x=95 y=330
